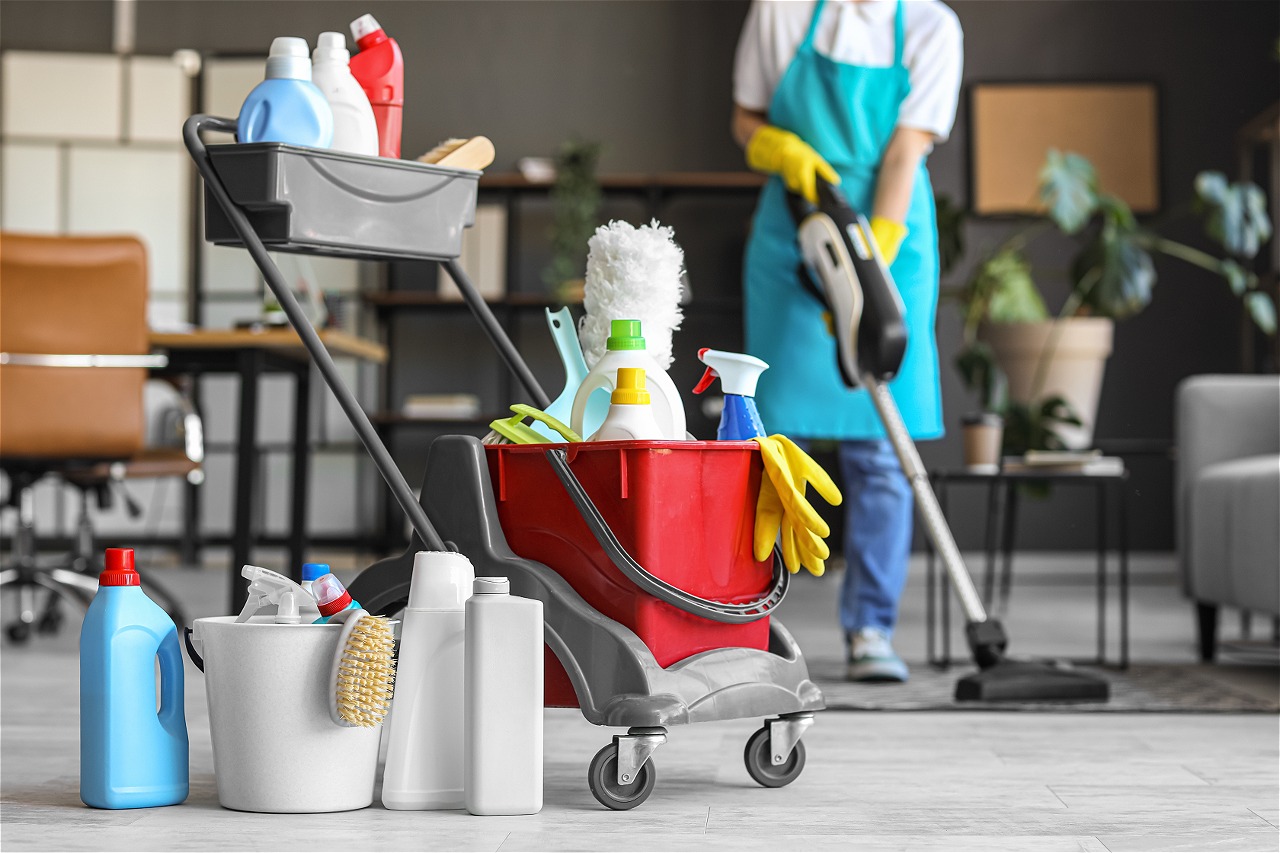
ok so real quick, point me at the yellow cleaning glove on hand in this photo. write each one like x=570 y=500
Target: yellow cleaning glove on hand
x=775 y=151
x=889 y=236
x=782 y=508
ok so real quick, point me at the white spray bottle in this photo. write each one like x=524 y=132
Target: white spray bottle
x=425 y=731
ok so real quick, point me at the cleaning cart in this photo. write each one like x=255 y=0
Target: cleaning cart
x=656 y=613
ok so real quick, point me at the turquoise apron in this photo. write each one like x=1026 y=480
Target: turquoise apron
x=847 y=113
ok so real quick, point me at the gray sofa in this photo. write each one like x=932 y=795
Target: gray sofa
x=1228 y=496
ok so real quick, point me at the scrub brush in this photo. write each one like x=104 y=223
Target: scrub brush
x=363 y=670
x=474 y=153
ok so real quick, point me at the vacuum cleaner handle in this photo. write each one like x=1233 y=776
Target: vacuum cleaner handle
x=717 y=611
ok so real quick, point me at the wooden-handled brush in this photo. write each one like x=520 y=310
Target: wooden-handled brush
x=474 y=153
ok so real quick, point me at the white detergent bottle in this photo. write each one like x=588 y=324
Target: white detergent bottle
x=503 y=740
x=425 y=730
x=625 y=348
x=630 y=415
x=354 y=128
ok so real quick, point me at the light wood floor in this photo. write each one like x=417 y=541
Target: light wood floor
x=874 y=781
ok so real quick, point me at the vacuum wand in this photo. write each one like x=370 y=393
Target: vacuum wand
x=935 y=523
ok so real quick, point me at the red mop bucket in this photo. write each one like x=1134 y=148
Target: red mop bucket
x=683 y=510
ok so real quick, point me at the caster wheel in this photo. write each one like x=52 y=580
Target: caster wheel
x=49 y=622
x=19 y=632
x=756 y=756
x=602 y=776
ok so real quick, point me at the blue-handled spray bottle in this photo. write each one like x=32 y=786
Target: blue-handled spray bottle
x=738 y=375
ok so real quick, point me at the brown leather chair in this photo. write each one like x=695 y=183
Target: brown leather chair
x=74 y=356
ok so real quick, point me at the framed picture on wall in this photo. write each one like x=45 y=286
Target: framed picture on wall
x=1014 y=125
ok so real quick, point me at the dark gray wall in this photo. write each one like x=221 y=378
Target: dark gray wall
x=652 y=81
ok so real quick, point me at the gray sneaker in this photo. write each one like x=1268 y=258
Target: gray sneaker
x=872 y=658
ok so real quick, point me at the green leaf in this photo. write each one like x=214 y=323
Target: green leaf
x=1068 y=188
x=1262 y=310
x=1235 y=214
x=1008 y=289
x=1036 y=427
x=1237 y=277
x=1117 y=271
x=575 y=199
x=976 y=364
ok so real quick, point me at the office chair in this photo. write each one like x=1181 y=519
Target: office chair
x=74 y=358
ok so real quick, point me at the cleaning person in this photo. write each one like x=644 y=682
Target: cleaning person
x=855 y=92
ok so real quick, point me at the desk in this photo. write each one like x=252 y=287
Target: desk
x=1002 y=504
x=250 y=354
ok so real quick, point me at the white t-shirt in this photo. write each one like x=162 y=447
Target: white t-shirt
x=857 y=33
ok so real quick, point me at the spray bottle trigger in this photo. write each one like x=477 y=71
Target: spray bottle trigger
x=705 y=382
x=266 y=588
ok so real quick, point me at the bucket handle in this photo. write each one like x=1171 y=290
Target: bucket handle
x=718 y=611
x=191 y=650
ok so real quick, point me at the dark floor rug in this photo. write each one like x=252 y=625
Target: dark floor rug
x=1142 y=687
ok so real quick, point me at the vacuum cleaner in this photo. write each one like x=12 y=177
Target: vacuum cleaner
x=850 y=278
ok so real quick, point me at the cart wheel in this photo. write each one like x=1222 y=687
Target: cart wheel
x=50 y=621
x=756 y=756
x=602 y=776
x=19 y=632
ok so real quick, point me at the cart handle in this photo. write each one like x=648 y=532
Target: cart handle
x=718 y=611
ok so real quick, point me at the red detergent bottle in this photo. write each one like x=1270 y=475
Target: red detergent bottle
x=379 y=68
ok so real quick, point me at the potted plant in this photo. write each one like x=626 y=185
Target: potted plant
x=1053 y=365
x=575 y=202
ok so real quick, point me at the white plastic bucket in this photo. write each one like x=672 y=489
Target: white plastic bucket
x=275 y=747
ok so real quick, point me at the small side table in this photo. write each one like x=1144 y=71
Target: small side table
x=1002 y=506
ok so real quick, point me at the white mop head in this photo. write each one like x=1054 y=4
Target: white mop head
x=632 y=274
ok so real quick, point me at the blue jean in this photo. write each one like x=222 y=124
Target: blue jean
x=877 y=535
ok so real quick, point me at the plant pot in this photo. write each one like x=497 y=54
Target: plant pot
x=983 y=436
x=1077 y=361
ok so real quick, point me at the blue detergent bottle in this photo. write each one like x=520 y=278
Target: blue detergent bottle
x=287 y=106
x=132 y=756
x=738 y=373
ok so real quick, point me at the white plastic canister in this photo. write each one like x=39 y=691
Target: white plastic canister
x=275 y=747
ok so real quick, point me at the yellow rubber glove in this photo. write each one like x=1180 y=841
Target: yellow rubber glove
x=782 y=507
x=889 y=236
x=775 y=151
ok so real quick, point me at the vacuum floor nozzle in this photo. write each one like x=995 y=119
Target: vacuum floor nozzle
x=1031 y=681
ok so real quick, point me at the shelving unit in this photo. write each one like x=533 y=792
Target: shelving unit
x=410 y=292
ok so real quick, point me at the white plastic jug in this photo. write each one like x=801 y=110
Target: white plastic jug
x=275 y=748
x=625 y=348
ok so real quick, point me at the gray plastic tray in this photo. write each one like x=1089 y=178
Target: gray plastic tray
x=318 y=201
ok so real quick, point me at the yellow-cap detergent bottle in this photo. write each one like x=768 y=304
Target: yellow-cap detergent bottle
x=630 y=416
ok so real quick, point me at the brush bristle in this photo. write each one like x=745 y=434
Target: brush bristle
x=367 y=673
x=438 y=153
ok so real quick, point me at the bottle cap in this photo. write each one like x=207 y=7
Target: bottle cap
x=630 y=390
x=624 y=335
x=119 y=570
x=289 y=59
x=442 y=580
x=312 y=571
x=491 y=586
x=331 y=47
x=331 y=596
x=367 y=31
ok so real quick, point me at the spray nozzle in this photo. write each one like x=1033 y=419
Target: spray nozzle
x=267 y=587
x=738 y=372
